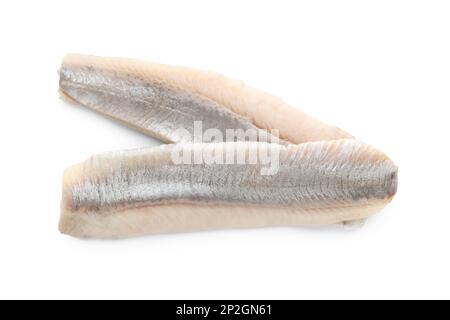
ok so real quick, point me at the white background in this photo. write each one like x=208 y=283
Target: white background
x=378 y=69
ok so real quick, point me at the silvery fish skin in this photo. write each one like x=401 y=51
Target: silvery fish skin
x=137 y=192
x=159 y=100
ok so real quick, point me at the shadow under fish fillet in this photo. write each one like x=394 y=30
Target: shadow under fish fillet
x=147 y=191
x=160 y=100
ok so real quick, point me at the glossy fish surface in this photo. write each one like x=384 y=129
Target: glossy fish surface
x=192 y=187
x=166 y=101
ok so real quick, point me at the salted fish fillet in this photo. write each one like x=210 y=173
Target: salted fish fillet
x=159 y=100
x=129 y=193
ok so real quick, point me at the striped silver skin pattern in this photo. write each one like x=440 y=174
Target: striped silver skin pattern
x=321 y=174
x=154 y=108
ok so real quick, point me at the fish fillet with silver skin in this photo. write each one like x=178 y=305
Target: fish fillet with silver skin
x=137 y=192
x=159 y=100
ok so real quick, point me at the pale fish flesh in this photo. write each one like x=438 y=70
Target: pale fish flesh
x=159 y=100
x=129 y=193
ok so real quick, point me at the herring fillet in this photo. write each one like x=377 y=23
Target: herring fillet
x=137 y=192
x=159 y=100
